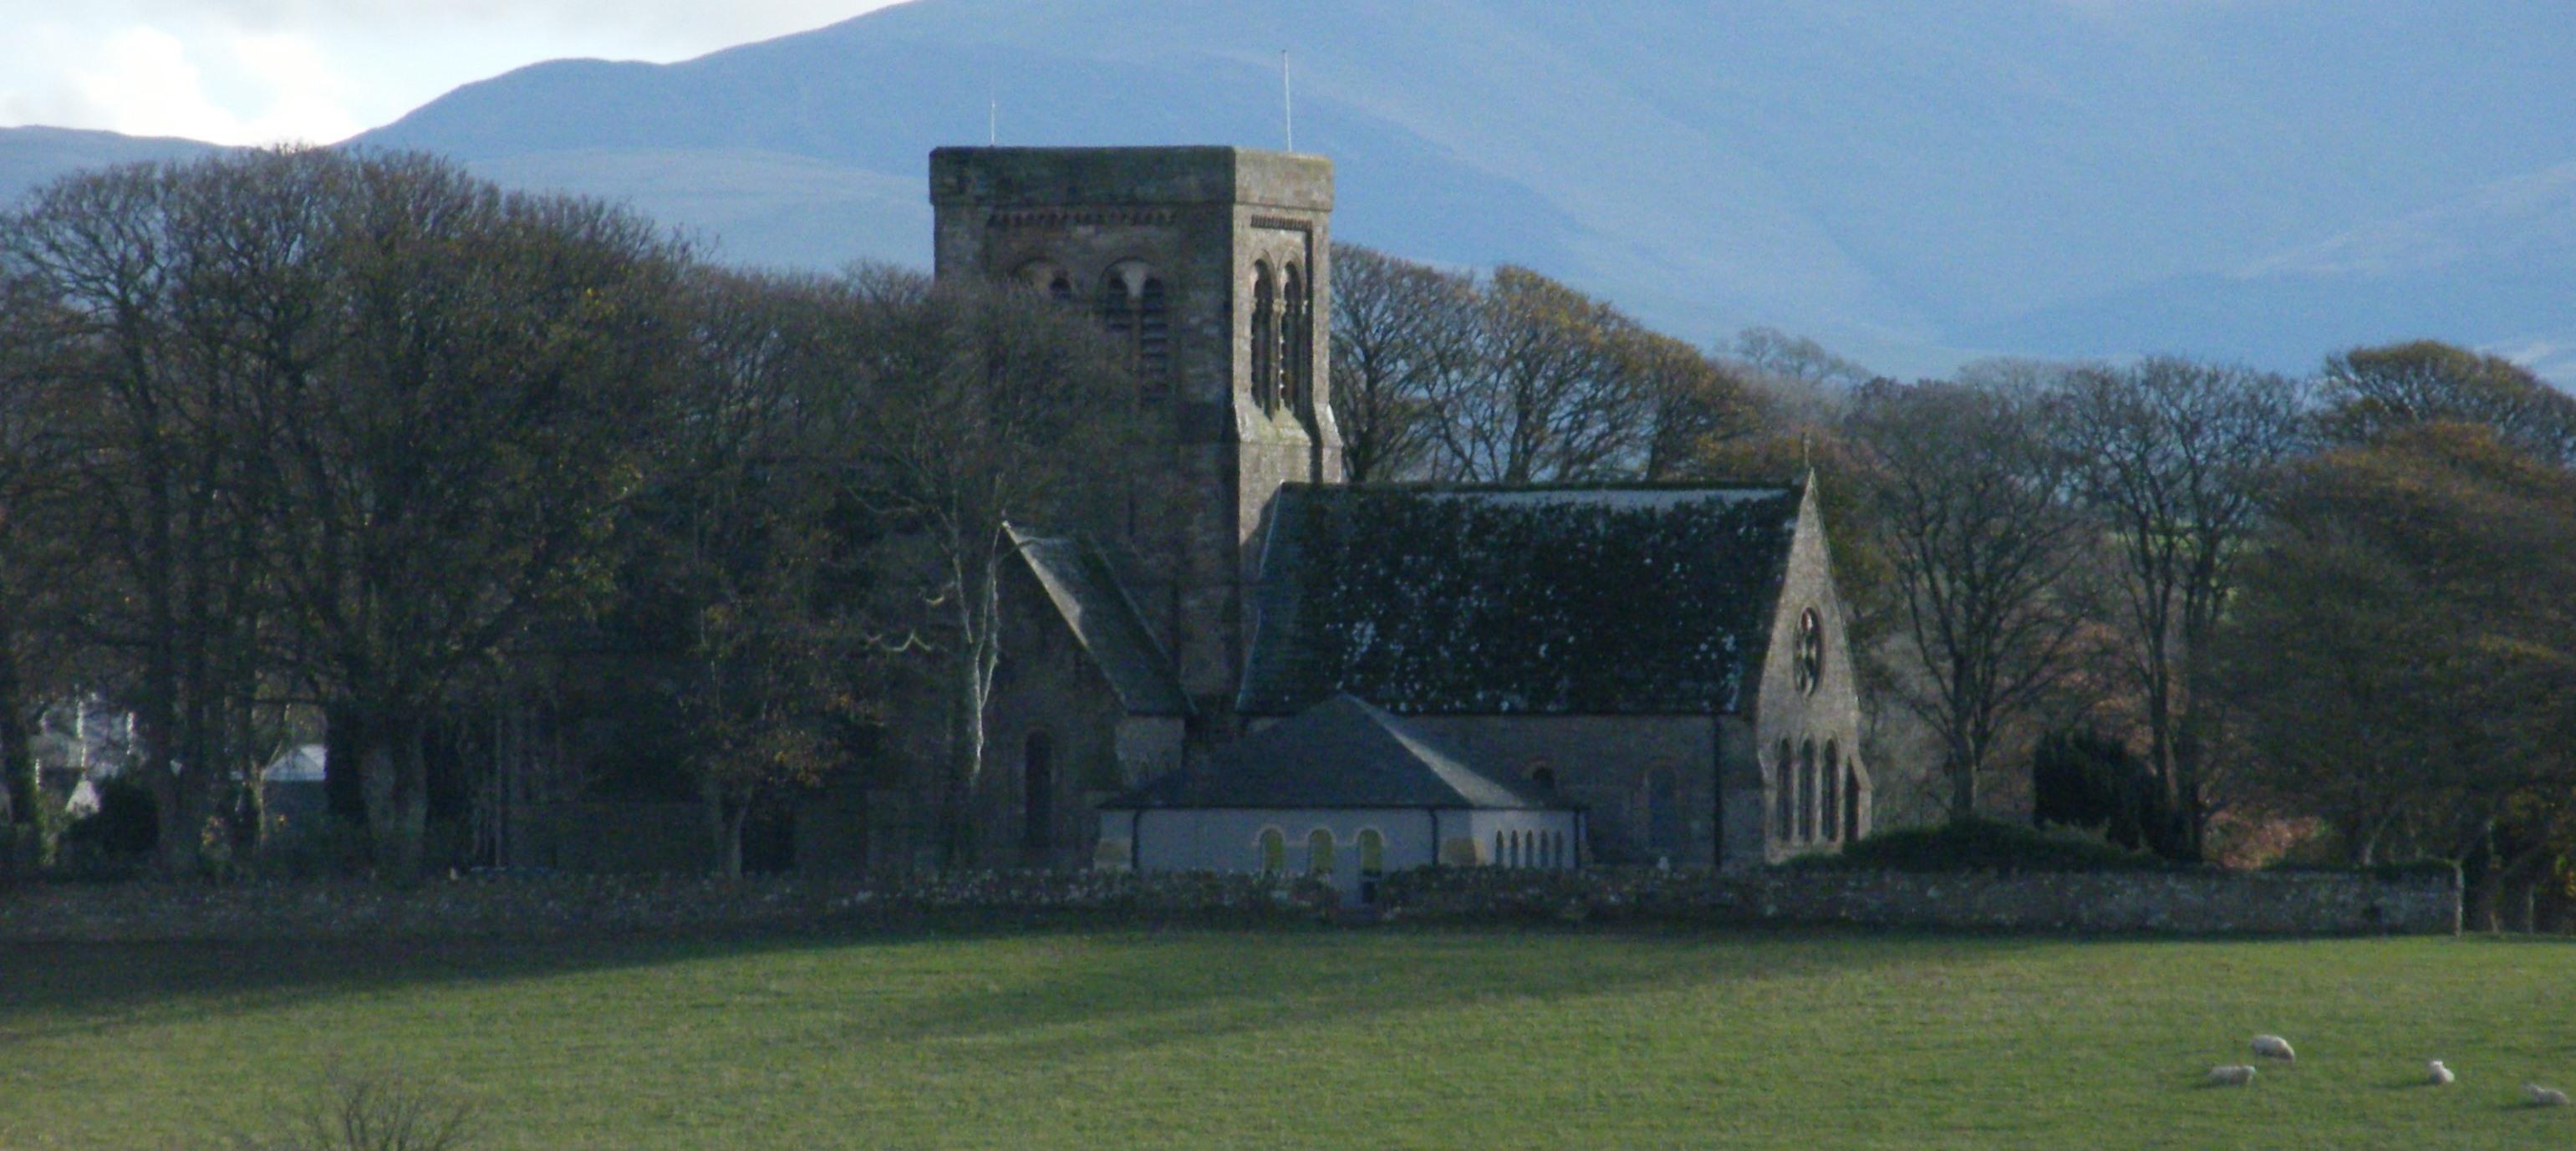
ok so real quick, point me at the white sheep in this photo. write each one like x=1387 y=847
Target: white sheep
x=2231 y=1075
x=2539 y=1096
x=2274 y=1047
x=2440 y=1075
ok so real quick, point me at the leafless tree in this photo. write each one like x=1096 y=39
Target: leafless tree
x=139 y=266
x=1968 y=499
x=1697 y=410
x=1401 y=330
x=750 y=548
x=2174 y=458
x=971 y=412
x=1545 y=397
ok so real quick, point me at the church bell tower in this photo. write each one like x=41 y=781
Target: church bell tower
x=1211 y=267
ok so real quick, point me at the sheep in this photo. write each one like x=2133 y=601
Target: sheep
x=2539 y=1096
x=2274 y=1047
x=2231 y=1075
x=2440 y=1075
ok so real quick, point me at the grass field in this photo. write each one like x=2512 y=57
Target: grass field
x=1306 y=1039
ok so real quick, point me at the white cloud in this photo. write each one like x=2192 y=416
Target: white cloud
x=258 y=71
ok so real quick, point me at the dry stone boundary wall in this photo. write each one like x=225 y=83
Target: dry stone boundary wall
x=2210 y=903
x=2162 y=902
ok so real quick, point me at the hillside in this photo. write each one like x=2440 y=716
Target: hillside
x=1912 y=180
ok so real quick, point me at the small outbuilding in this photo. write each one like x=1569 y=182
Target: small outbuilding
x=1344 y=791
x=291 y=788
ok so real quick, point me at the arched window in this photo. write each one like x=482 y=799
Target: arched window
x=1274 y=851
x=1807 y=792
x=1048 y=277
x=1498 y=849
x=1851 y=802
x=1293 y=343
x=1118 y=306
x=1372 y=853
x=1319 y=851
x=1827 y=820
x=1037 y=796
x=1564 y=851
x=1265 y=338
x=1786 y=791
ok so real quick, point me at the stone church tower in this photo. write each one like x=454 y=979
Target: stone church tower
x=1210 y=266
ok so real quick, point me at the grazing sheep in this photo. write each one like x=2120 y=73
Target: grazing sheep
x=2274 y=1047
x=2539 y=1096
x=2231 y=1075
x=2440 y=1075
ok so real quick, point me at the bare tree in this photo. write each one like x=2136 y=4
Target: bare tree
x=775 y=663
x=1696 y=409
x=1968 y=501
x=453 y=406
x=36 y=458
x=1400 y=330
x=2174 y=457
x=1544 y=397
x=141 y=266
x=2374 y=391
x=970 y=412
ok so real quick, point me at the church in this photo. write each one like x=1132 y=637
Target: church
x=1537 y=676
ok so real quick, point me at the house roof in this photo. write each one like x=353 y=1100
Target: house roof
x=1616 y=599
x=302 y=764
x=1088 y=595
x=1342 y=753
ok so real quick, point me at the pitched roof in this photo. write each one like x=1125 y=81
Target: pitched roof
x=1638 y=599
x=1087 y=594
x=1341 y=753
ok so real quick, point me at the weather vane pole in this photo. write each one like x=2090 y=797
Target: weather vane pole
x=1287 y=101
x=992 y=116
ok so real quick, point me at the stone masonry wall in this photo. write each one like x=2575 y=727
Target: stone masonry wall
x=2182 y=903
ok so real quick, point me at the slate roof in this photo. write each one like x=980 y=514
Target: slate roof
x=1342 y=753
x=1597 y=600
x=1088 y=595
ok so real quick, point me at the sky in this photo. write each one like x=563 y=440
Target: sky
x=317 y=71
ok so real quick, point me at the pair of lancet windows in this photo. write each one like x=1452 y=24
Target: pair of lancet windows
x=1282 y=337
x=1134 y=306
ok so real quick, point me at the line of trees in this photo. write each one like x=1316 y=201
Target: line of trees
x=2170 y=599
x=359 y=436
x=299 y=435
x=2191 y=594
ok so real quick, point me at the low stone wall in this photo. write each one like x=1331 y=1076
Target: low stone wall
x=2198 y=903
x=2176 y=902
x=570 y=905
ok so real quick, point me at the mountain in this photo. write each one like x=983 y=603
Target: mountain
x=1914 y=181
x=2495 y=267
x=32 y=157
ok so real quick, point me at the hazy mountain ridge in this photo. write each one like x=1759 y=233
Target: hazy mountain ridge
x=1911 y=180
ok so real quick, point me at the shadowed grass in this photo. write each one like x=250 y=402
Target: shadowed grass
x=1398 y=1038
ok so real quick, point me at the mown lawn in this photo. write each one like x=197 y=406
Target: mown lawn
x=1305 y=1039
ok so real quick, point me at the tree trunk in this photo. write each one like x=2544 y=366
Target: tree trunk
x=17 y=758
x=725 y=818
x=397 y=787
x=1963 y=787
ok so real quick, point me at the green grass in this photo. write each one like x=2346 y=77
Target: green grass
x=1388 y=1038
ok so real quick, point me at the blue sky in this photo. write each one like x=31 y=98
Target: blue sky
x=262 y=71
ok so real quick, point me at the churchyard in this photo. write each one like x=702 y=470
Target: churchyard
x=1294 y=1036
